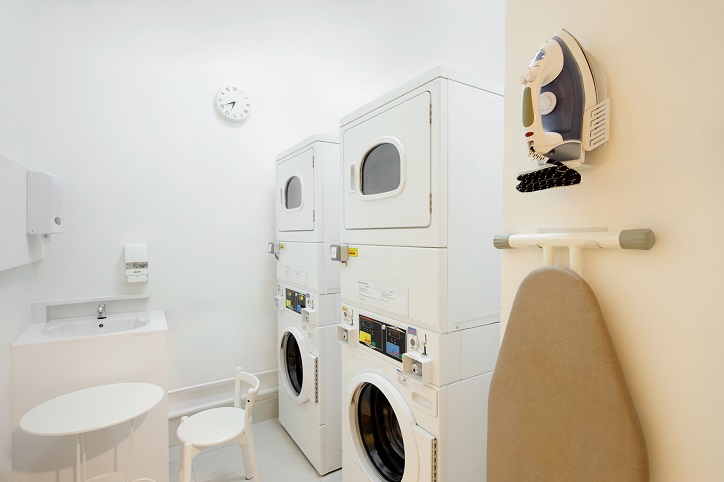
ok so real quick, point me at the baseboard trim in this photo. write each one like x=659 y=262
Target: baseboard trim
x=189 y=400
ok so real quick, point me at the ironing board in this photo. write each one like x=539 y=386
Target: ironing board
x=559 y=407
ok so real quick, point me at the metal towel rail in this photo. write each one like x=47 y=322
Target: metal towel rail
x=576 y=242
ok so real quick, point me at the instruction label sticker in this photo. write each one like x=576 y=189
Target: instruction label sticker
x=391 y=298
x=298 y=275
x=365 y=337
x=353 y=252
x=281 y=246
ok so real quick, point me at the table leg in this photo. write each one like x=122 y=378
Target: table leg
x=77 y=458
x=80 y=465
x=130 y=466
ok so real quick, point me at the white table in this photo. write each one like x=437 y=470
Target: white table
x=92 y=409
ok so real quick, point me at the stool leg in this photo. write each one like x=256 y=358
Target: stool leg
x=251 y=455
x=245 y=456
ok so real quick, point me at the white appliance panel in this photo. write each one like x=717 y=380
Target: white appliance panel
x=451 y=357
x=295 y=193
x=434 y=288
x=319 y=443
x=465 y=148
x=404 y=133
x=408 y=284
x=307 y=266
x=307 y=196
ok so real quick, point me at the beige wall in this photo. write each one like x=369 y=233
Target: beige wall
x=662 y=169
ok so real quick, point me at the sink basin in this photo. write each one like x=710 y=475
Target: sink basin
x=91 y=326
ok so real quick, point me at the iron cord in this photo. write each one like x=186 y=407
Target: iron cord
x=555 y=175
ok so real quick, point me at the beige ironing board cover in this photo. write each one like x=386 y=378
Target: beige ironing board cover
x=559 y=407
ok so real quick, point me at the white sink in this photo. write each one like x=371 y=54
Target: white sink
x=91 y=326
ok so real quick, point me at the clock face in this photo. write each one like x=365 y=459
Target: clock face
x=232 y=103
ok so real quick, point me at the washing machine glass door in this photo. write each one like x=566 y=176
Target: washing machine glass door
x=380 y=433
x=295 y=192
x=296 y=364
x=293 y=369
x=387 y=168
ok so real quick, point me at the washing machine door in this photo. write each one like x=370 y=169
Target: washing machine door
x=297 y=366
x=388 y=444
x=386 y=163
x=295 y=192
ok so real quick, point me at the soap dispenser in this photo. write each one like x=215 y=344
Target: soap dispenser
x=136 y=262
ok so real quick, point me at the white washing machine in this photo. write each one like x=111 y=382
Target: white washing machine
x=414 y=403
x=309 y=375
x=422 y=193
x=307 y=214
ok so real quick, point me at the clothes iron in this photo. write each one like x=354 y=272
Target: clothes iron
x=565 y=103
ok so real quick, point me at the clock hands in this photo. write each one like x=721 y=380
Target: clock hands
x=232 y=104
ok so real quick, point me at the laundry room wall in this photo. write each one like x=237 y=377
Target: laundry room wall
x=16 y=284
x=660 y=170
x=122 y=111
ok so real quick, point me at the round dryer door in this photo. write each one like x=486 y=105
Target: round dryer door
x=296 y=364
x=389 y=446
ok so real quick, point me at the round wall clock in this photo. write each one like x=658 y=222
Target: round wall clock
x=232 y=103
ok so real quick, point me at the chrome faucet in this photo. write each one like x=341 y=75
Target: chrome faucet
x=101 y=311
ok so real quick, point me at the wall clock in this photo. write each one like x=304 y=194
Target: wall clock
x=232 y=103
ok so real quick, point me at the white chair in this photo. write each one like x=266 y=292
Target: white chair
x=218 y=426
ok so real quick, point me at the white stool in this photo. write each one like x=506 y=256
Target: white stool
x=218 y=426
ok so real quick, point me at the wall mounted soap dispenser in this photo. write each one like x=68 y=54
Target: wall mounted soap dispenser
x=136 y=262
x=45 y=202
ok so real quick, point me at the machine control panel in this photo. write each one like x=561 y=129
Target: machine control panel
x=295 y=300
x=382 y=337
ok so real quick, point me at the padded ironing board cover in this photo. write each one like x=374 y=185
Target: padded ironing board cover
x=559 y=407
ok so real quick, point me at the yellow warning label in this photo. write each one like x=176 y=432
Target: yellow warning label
x=281 y=246
x=365 y=337
x=352 y=252
x=289 y=303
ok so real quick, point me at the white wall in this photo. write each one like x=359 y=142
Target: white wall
x=660 y=170
x=16 y=285
x=123 y=113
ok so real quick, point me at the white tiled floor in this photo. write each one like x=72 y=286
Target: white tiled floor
x=279 y=458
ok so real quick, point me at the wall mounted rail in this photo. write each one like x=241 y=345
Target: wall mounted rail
x=575 y=242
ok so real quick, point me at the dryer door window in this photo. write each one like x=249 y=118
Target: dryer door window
x=381 y=170
x=380 y=433
x=293 y=369
x=293 y=193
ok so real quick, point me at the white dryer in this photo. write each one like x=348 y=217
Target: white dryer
x=414 y=404
x=422 y=165
x=309 y=374
x=421 y=195
x=307 y=214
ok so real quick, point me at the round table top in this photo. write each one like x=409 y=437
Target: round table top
x=91 y=409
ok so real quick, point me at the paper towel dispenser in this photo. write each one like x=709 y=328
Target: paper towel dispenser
x=45 y=202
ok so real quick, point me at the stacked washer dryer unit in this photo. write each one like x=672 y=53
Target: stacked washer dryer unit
x=307 y=298
x=419 y=323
